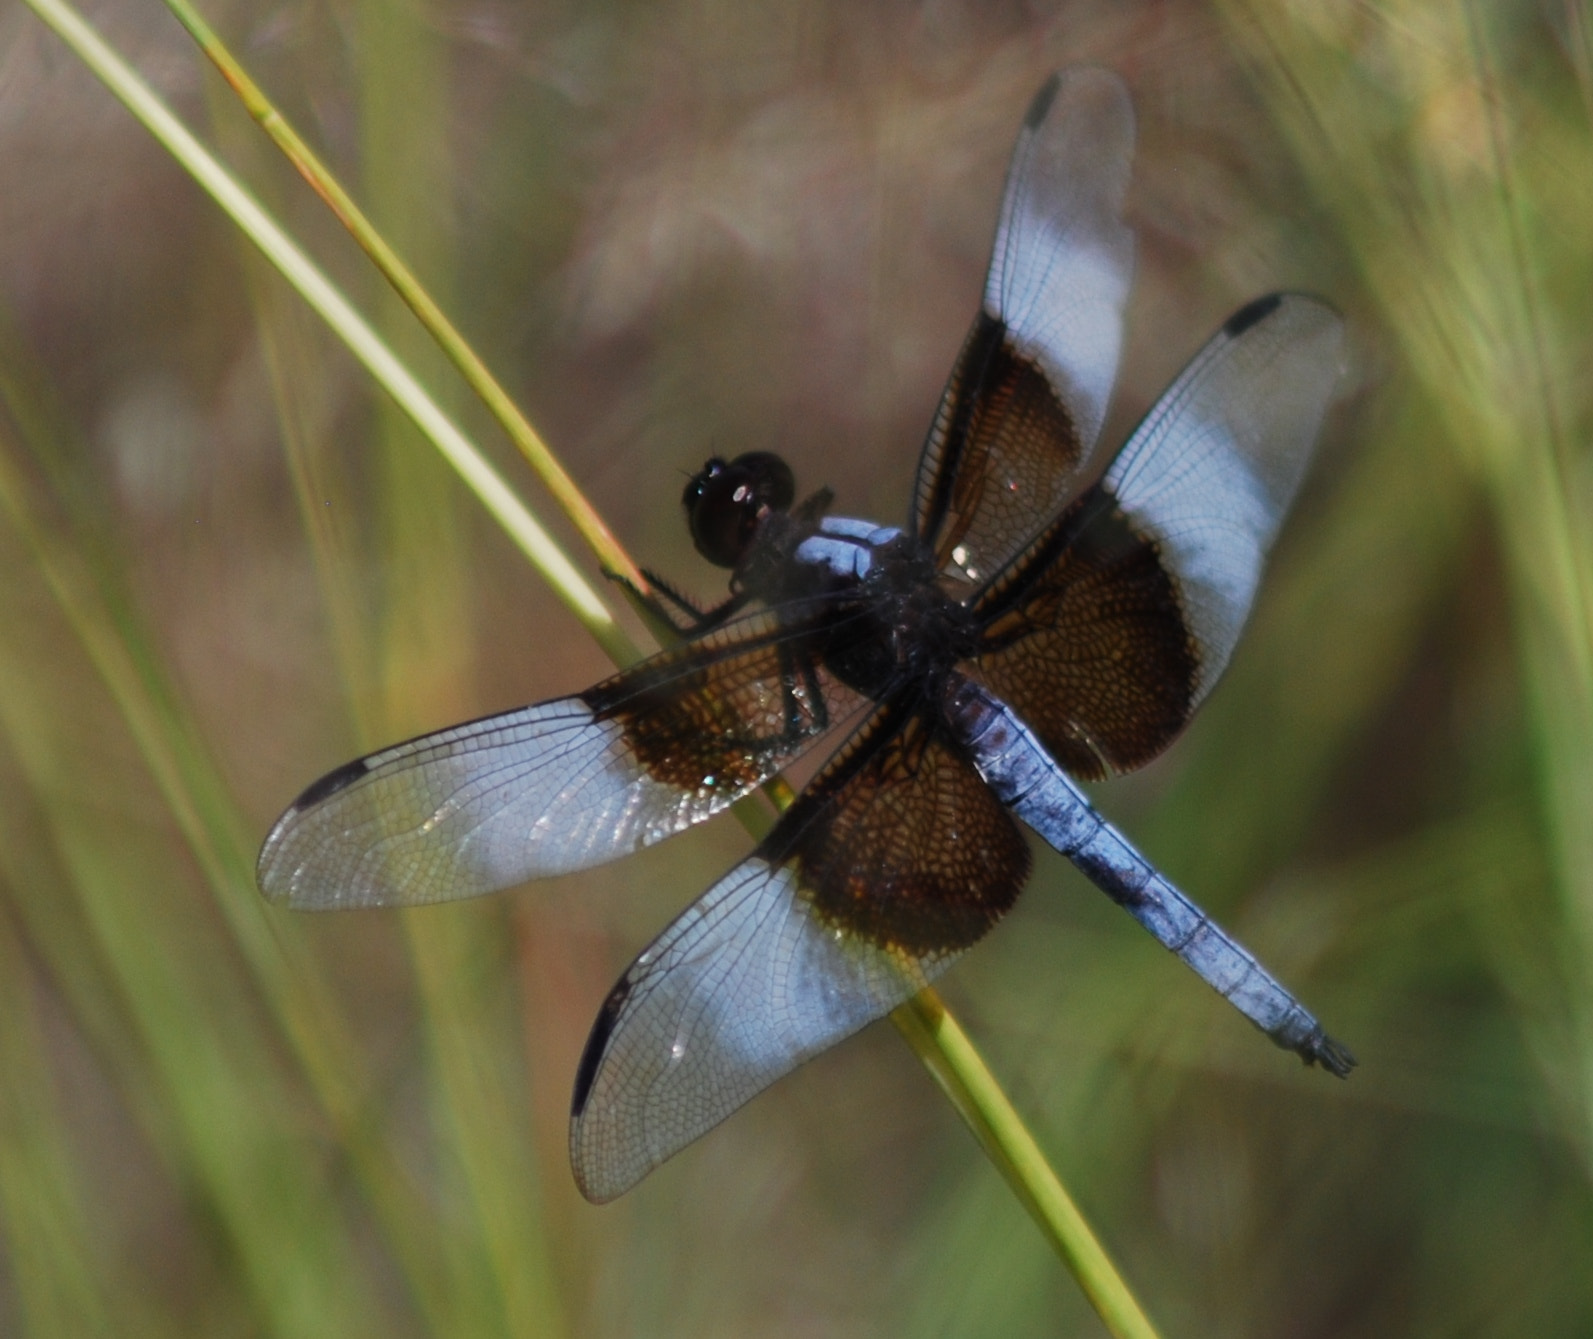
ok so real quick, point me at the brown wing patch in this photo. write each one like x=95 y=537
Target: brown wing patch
x=900 y=842
x=1087 y=640
x=726 y=712
x=1001 y=456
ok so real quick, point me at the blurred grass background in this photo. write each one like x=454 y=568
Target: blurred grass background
x=696 y=227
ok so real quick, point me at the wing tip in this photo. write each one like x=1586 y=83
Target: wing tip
x=319 y=791
x=275 y=886
x=1095 y=87
x=599 y=1180
x=279 y=889
x=1252 y=313
x=597 y=1045
x=1307 y=312
x=1040 y=107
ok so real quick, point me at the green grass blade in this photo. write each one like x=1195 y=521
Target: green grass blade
x=53 y=1256
x=421 y=650
x=216 y=1071
x=944 y=1048
x=1450 y=179
x=427 y=310
x=295 y=266
x=309 y=1021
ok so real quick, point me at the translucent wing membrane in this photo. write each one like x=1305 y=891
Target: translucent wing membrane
x=895 y=859
x=1210 y=472
x=739 y=991
x=1029 y=392
x=559 y=786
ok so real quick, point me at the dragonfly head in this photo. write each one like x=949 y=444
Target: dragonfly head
x=726 y=502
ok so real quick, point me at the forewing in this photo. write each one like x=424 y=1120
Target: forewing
x=561 y=785
x=1106 y=634
x=894 y=860
x=1026 y=399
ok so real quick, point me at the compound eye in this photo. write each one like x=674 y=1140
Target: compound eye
x=725 y=503
x=698 y=484
x=770 y=479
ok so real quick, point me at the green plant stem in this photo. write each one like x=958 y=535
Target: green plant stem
x=475 y=372
x=961 y=1072
x=316 y=289
x=924 y=1021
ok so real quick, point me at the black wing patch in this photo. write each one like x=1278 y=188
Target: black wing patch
x=1085 y=637
x=899 y=843
x=1028 y=394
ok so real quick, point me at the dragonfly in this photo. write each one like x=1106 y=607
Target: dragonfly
x=1038 y=621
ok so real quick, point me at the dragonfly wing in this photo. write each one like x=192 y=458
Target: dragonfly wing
x=559 y=786
x=1026 y=399
x=893 y=861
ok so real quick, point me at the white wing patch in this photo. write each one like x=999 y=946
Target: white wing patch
x=535 y=792
x=1063 y=259
x=1214 y=466
x=745 y=986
